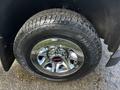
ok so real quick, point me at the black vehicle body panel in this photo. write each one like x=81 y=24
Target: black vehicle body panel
x=103 y=14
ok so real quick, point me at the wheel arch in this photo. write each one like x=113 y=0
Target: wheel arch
x=103 y=14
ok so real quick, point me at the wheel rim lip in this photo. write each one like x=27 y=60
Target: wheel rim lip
x=52 y=42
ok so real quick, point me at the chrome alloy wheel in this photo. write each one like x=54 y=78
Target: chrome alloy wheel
x=57 y=57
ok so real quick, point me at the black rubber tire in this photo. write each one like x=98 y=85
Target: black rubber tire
x=58 y=23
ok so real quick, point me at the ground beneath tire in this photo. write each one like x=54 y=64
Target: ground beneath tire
x=101 y=79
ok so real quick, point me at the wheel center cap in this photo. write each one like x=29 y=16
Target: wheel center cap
x=57 y=59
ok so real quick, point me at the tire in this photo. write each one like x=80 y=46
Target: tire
x=60 y=23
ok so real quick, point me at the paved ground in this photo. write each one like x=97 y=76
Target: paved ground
x=101 y=79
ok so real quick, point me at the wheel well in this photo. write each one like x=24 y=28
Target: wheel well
x=103 y=14
x=99 y=13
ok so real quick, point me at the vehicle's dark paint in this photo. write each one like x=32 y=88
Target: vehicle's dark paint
x=103 y=14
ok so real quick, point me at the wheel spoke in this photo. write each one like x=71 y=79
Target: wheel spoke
x=53 y=67
x=58 y=67
x=80 y=54
x=67 y=64
x=45 y=62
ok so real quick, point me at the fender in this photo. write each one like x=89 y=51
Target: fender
x=103 y=14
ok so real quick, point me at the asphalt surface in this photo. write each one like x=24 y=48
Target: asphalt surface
x=101 y=79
